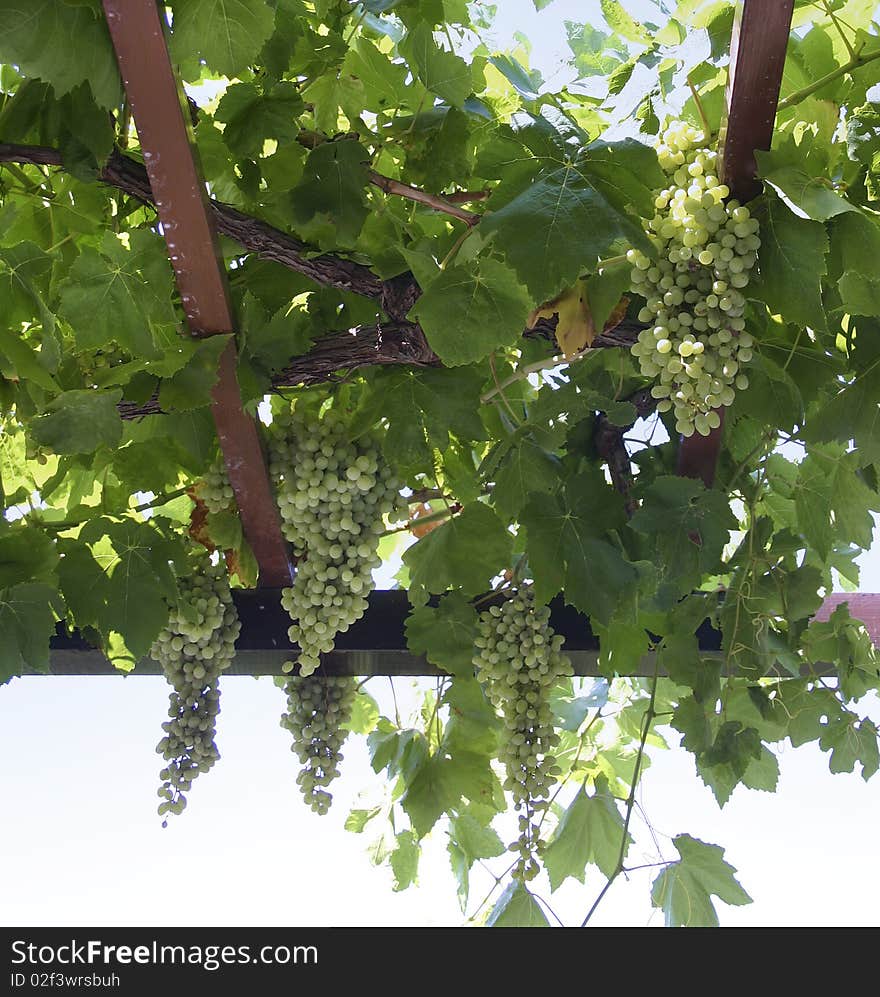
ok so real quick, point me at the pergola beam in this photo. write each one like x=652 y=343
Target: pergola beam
x=376 y=644
x=179 y=193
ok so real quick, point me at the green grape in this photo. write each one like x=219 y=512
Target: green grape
x=519 y=659
x=317 y=710
x=333 y=496
x=214 y=489
x=709 y=244
x=193 y=648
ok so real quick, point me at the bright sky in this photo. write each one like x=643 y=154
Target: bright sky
x=82 y=844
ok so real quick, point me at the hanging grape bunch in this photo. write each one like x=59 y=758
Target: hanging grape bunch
x=194 y=647
x=214 y=490
x=519 y=659
x=317 y=709
x=332 y=495
x=696 y=343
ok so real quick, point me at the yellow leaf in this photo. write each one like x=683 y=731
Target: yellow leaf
x=575 y=329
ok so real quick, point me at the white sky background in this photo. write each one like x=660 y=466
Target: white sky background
x=82 y=845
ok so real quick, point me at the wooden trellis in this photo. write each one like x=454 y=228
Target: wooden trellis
x=377 y=644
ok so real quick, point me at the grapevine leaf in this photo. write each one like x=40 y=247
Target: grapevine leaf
x=364 y=714
x=251 y=116
x=688 y=527
x=424 y=410
x=115 y=295
x=589 y=832
x=441 y=72
x=26 y=553
x=685 y=888
x=328 y=203
x=517 y=908
x=465 y=552
x=445 y=634
x=474 y=839
x=227 y=34
x=471 y=309
x=357 y=820
x=525 y=468
x=623 y=24
x=792 y=264
x=61 y=44
x=405 y=860
x=27 y=623
x=79 y=422
x=566 y=546
x=851 y=740
x=430 y=792
x=558 y=226
x=191 y=386
x=83 y=583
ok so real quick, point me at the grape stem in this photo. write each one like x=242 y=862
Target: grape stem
x=707 y=131
x=856 y=62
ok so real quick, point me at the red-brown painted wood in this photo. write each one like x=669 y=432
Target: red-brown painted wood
x=156 y=103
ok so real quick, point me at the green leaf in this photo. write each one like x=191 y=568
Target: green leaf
x=517 y=908
x=620 y=22
x=475 y=840
x=26 y=553
x=559 y=226
x=61 y=44
x=405 y=860
x=566 y=545
x=589 y=832
x=252 y=115
x=796 y=172
x=441 y=72
x=792 y=265
x=465 y=552
x=227 y=34
x=445 y=634
x=24 y=274
x=115 y=295
x=430 y=792
x=27 y=623
x=688 y=527
x=851 y=740
x=328 y=203
x=525 y=468
x=424 y=410
x=384 y=81
x=79 y=422
x=141 y=584
x=357 y=820
x=364 y=714
x=83 y=583
x=192 y=385
x=684 y=889
x=471 y=309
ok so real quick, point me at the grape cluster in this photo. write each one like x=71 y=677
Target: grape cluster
x=706 y=247
x=317 y=709
x=214 y=489
x=519 y=659
x=332 y=495
x=194 y=647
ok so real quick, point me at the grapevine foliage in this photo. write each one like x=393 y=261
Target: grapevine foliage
x=416 y=225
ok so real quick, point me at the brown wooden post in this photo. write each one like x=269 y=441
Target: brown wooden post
x=180 y=196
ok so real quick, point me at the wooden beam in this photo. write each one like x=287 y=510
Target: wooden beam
x=376 y=644
x=761 y=29
x=179 y=193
